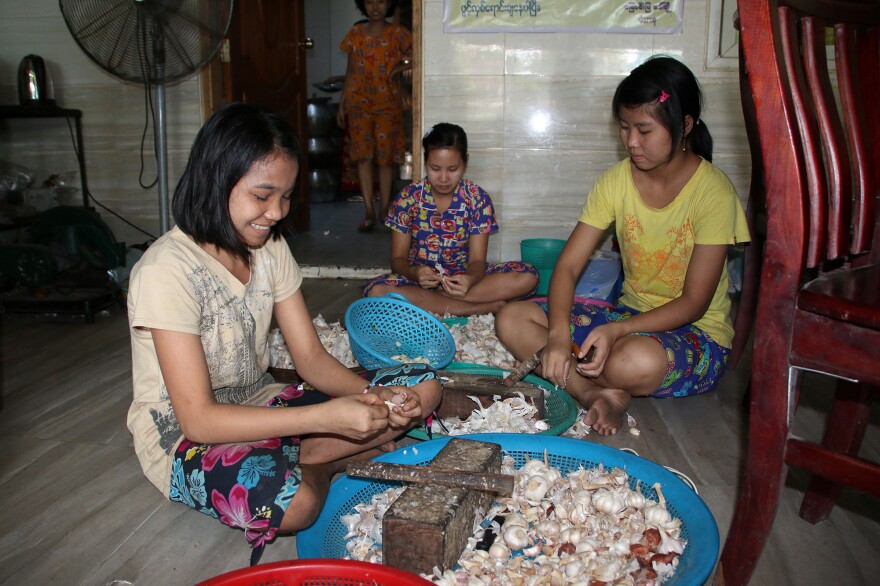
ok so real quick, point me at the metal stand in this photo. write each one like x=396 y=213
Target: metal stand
x=53 y=111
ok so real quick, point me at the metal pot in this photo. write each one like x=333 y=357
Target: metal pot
x=323 y=153
x=34 y=82
x=321 y=115
x=323 y=185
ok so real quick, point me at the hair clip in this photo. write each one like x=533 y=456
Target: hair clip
x=663 y=96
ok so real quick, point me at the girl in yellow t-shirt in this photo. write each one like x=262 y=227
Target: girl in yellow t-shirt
x=675 y=216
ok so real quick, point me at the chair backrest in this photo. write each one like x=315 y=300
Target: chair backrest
x=819 y=129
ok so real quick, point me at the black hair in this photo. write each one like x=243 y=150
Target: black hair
x=672 y=91
x=392 y=6
x=445 y=135
x=231 y=141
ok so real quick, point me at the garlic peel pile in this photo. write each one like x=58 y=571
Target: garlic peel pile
x=511 y=415
x=333 y=337
x=477 y=343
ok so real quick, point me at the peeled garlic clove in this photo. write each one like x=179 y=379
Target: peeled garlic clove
x=532 y=550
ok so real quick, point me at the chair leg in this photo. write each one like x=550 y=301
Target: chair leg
x=844 y=431
x=763 y=475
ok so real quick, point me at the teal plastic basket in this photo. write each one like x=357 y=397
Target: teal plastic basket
x=382 y=327
x=560 y=410
x=542 y=253
x=326 y=537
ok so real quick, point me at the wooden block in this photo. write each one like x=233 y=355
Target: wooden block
x=429 y=526
x=501 y=484
x=456 y=403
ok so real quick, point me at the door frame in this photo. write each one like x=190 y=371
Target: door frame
x=417 y=72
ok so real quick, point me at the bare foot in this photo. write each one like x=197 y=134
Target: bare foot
x=605 y=409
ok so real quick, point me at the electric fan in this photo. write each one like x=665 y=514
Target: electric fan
x=151 y=42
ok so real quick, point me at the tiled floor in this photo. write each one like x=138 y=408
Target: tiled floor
x=334 y=241
x=77 y=510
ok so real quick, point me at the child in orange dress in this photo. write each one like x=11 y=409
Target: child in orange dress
x=371 y=103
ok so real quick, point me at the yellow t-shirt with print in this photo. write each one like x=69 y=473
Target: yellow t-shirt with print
x=656 y=244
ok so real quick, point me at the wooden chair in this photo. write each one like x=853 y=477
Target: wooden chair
x=819 y=298
x=747 y=302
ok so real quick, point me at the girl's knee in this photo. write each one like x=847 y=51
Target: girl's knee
x=379 y=290
x=636 y=363
x=525 y=283
x=505 y=319
x=510 y=318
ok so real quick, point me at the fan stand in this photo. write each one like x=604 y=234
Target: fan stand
x=161 y=143
x=128 y=39
x=162 y=161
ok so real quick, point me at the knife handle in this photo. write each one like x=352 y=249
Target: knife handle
x=528 y=365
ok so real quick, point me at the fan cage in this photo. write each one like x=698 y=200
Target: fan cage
x=148 y=41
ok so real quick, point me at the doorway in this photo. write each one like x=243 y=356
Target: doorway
x=336 y=199
x=316 y=222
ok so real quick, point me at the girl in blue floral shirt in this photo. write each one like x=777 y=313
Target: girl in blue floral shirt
x=440 y=234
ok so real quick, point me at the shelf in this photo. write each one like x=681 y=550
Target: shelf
x=55 y=111
x=39 y=111
x=85 y=302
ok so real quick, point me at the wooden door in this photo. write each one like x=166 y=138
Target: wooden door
x=267 y=66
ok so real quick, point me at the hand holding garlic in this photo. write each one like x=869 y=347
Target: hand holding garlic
x=456 y=285
x=403 y=404
x=427 y=277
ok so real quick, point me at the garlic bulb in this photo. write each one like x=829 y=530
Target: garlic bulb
x=536 y=487
x=635 y=498
x=657 y=515
x=499 y=551
x=516 y=537
x=669 y=544
x=607 y=501
x=549 y=528
x=514 y=520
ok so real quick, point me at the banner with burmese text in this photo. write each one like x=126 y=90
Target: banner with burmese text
x=543 y=16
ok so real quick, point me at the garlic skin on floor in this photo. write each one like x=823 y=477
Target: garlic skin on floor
x=511 y=415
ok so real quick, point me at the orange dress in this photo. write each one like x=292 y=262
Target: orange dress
x=372 y=100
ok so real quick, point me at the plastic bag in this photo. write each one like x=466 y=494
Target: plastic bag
x=15 y=177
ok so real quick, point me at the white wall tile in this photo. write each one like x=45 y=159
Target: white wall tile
x=535 y=106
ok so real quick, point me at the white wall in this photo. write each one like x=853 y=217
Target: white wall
x=536 y=108
x=327 y=22
x=113 y=118
x=495 y=85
